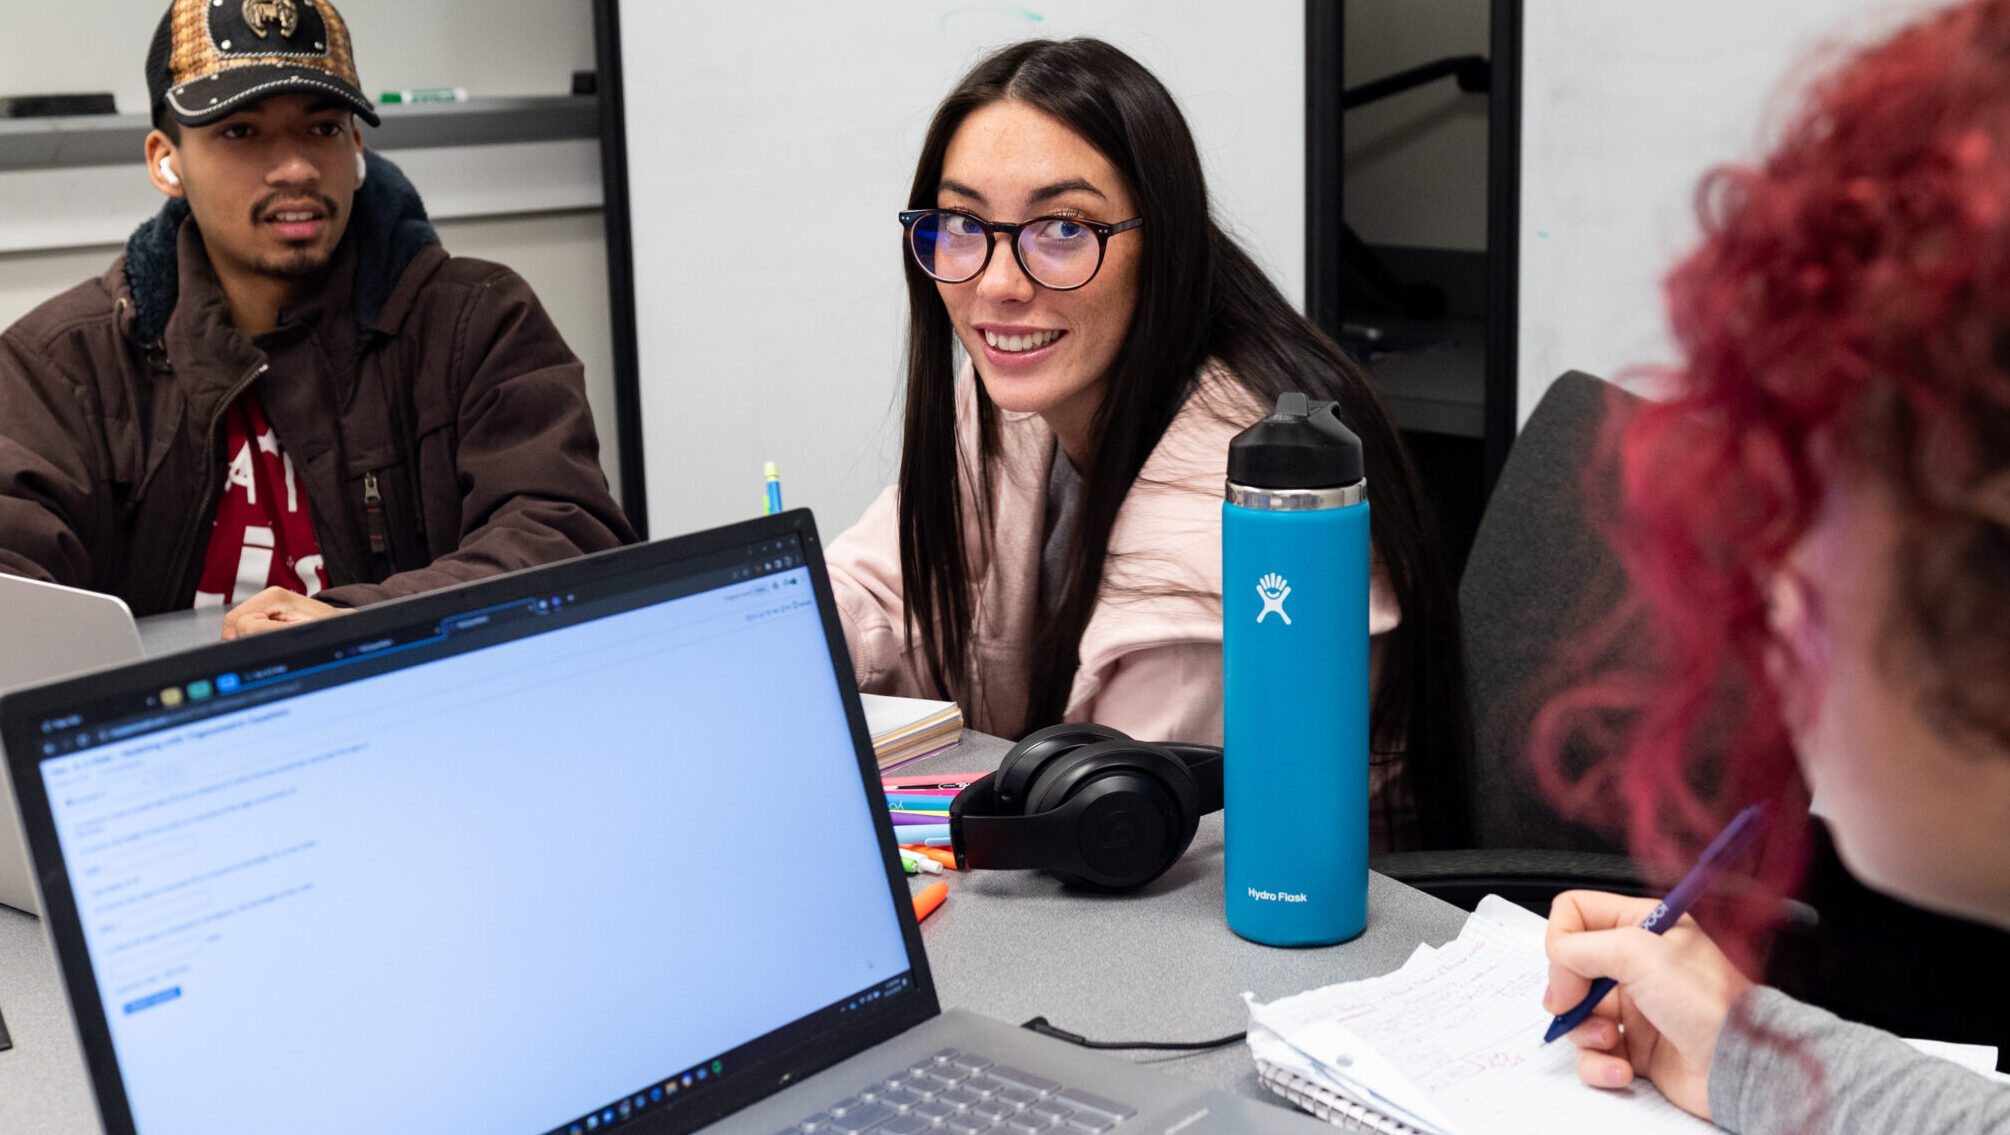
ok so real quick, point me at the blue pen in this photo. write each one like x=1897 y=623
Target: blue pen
x=1729 y=845
x=774 y=488
x=921 y=833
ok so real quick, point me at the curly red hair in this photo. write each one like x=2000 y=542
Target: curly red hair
x=1845 y=315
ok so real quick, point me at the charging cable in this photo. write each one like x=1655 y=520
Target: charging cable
x=1041 y=1025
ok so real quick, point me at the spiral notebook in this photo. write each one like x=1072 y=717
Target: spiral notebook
x=1450 y=1044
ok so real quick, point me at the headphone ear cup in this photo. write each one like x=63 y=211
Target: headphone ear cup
x=1020 y=766
x=1137 y=812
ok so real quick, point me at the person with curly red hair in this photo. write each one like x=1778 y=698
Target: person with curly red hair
x=1815 y=516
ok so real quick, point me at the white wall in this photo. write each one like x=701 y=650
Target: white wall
x=1624 y=108
x=26 y=279
x=1416 y=165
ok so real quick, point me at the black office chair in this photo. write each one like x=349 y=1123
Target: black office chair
x=1539 y=573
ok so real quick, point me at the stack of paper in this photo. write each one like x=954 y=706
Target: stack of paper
x=908 y=729
x=1450 y=1044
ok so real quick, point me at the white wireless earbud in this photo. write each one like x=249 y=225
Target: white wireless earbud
x=362 y=168
x=167 y=174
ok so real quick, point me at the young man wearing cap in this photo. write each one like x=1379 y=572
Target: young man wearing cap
x=286 y=396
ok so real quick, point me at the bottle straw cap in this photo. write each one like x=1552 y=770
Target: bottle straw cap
x=1301 y=445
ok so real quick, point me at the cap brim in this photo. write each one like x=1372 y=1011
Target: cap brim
x=202 y=101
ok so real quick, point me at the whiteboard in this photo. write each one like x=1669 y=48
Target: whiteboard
x=1624 y=107
x=514 y=47
x=763 y=121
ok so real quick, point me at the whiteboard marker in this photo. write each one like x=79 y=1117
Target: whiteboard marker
x=425 y=94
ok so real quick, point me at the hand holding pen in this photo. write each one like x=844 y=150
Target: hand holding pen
x=1675 y=987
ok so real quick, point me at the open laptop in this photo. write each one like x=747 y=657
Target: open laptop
x=50 y=631
x=471 y=862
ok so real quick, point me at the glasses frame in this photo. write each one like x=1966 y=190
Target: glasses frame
x=1103 y=232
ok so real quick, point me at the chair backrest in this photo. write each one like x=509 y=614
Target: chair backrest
x=1539 y=574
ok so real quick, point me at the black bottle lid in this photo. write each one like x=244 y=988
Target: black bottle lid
x=1301 y=445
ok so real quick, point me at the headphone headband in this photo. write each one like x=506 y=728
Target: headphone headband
x=980 y=835
x=1204 y=762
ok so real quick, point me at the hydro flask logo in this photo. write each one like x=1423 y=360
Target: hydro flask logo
x=1274 y=591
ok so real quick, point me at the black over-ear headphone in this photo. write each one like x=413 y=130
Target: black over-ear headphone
x=1088 y=805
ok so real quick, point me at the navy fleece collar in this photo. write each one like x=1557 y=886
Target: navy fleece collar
x=387 y=228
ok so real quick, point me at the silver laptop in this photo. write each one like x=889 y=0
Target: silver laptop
x=474 y=862
x=50 y=631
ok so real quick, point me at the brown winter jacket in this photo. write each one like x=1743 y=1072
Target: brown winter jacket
x=435 y=419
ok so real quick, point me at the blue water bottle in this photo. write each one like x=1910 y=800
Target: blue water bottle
x=1294 y=581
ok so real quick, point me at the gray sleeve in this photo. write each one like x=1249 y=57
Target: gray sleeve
x=1784 y=1066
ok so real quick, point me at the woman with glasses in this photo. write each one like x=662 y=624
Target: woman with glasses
x=1053 y=549
x=1816 y=519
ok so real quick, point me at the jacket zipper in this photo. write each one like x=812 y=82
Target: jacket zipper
x=373 y=513
x=209 y=478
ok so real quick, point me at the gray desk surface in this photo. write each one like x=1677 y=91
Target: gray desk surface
x=181 y=630
x=1160 y=964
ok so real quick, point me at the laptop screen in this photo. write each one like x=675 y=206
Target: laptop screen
x=548 y=865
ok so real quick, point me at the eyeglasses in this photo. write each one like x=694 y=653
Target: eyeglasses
x=1058 y=253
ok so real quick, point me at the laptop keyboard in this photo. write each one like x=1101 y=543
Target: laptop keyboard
x=964 y=1094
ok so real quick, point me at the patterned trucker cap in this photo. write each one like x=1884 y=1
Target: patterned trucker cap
x=211 y=58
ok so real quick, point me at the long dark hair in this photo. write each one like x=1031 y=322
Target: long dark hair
x=1200 y=297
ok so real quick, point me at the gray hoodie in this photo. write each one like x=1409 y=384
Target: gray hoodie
x=1763 y=1078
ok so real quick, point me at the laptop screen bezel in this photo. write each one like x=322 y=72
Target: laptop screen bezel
x=767 y=1073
